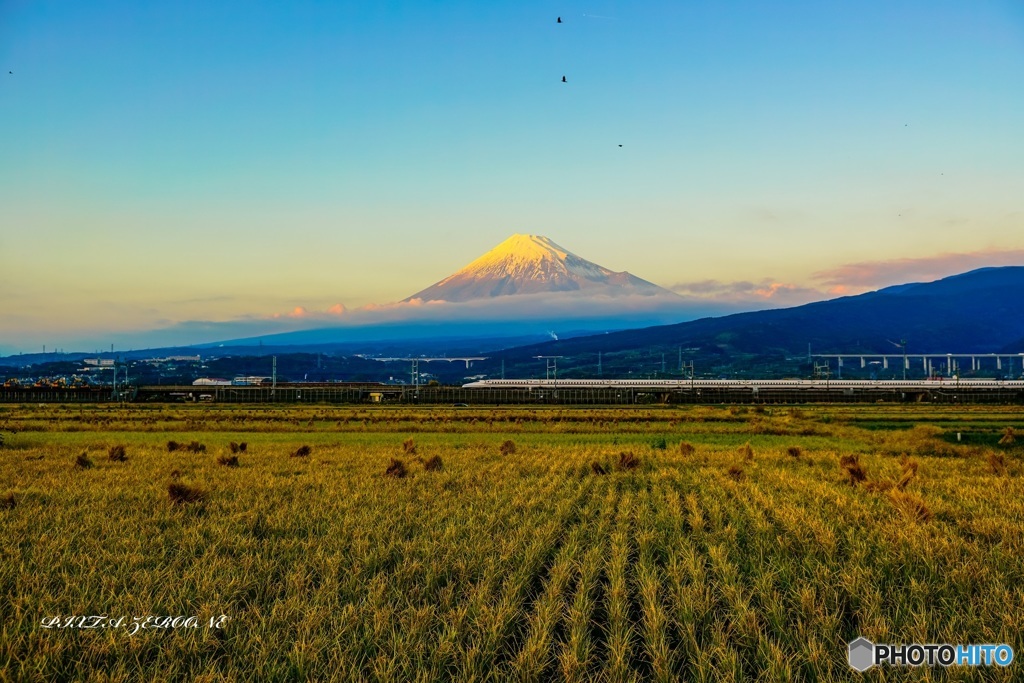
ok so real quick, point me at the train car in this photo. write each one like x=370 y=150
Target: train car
x=752 y=384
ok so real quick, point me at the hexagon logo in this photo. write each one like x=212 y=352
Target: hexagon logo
x=862 y=654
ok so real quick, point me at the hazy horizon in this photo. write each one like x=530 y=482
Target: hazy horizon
x=207 y=169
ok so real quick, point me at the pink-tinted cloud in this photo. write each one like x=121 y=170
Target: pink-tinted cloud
x=562 y=304
x=400 y=305
x=565 y=306
x=297 y=312
x=777 y=288
x=757 y=294
x=869 y=275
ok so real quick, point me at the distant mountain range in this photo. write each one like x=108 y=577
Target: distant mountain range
x=981 y=311
x=507 y=304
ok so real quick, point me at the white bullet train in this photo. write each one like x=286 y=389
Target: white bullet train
x=688 y=385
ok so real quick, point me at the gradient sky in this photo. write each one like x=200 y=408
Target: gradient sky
x=168 y=162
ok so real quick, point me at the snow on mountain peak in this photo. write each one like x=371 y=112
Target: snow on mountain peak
x=527 y=247
x=531 y=264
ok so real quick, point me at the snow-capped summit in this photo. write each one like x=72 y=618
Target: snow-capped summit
x=532 y=264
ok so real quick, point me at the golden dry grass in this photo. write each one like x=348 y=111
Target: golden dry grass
x=505 y=568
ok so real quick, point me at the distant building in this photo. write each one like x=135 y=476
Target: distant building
x=99 y=362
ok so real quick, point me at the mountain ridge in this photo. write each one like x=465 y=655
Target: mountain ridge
x=973 y=312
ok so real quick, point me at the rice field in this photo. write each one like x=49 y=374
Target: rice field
x=703 y=543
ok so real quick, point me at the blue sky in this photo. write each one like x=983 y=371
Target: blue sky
x=170 y=162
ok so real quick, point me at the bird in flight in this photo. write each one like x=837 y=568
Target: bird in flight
x=559 y=20
x=620 y=145
x=563 y=80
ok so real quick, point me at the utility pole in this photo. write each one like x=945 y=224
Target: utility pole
x=503 y=368
x=599 y=371
x=662 y=364
x=551 y=367
x=903 y=348
x=823 y=370
x=687 y=369
x=273 y=385
x=903 y=345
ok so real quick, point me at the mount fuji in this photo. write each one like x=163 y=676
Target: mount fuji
x=532 y=264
